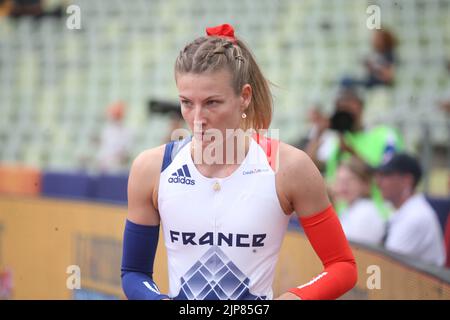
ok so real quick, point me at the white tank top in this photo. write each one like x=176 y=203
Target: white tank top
x=222 y=242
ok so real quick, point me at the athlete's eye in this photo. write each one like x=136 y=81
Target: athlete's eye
x=212 y=102
x=185 y=103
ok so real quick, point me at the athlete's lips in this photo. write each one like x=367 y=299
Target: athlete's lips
x=199 y=134
x=202 y=134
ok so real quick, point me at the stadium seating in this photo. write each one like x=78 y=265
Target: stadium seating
x=55 y=83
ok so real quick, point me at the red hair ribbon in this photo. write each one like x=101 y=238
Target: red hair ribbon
x=223 y=30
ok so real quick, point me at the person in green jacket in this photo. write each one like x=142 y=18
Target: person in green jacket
x=374 y=146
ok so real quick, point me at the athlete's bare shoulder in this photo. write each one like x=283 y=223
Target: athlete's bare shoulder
x=143 y=185
x=293 y=160
x=292 y=153
x=148 y=161
x=300 y=180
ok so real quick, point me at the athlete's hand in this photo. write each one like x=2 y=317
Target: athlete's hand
x=288 y=296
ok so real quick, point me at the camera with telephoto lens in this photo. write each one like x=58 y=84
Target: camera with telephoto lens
x=164 y=107
x=342 y=121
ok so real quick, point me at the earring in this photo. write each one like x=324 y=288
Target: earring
x=244 y=116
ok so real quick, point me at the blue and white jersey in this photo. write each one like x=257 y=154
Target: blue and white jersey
x=222 y=235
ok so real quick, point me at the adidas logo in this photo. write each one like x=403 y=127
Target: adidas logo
x=182 y=176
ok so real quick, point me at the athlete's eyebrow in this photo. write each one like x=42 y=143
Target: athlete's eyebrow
x=216 y=96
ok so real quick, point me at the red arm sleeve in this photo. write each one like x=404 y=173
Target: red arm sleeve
x=328 y=240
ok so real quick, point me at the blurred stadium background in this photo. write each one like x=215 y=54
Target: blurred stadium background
x=56 y=83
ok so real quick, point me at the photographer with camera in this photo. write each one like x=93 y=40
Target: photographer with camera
x=374 y=146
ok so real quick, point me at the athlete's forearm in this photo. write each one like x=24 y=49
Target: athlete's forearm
x=326 y=236
x=139 y=249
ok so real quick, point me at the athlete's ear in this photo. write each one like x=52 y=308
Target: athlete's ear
x=246 y=96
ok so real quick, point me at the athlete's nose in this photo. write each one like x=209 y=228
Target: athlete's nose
x=199 y=117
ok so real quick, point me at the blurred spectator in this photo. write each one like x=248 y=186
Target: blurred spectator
x=446 y=107
x=176 y=122
x=319 y=141
x=445 y=104
x=380 y=64
x=373 y=146
x=414 y=229
x=26 y=8
x=33 y=8
x=360 y=219
x=6 y=284
x=5 y=7
x=113 y=155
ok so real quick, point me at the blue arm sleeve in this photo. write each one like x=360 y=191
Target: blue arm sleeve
x=139 y=249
